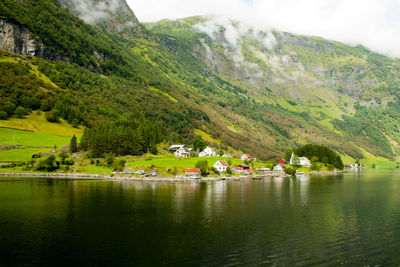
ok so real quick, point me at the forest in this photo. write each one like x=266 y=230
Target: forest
x=318 y=153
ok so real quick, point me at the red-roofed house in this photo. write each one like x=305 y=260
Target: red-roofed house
x=247 y=156
x=193 y=172
x=221 y=165
x=282 y=162
x=237 y=170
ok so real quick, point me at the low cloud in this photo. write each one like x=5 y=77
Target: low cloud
x=372 y=23
x=92 y=11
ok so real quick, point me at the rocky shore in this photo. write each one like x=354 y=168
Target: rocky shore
x=154 y=179
x=136 y=178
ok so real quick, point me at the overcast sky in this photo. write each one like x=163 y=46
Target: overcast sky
x=372 y=23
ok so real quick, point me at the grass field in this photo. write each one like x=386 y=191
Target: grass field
x=32 y=143
x=94 y=169
x=38 y=123
x=179 y=163
x=15 y=170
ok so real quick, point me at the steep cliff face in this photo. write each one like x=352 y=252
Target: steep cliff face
x=17 y=39
x=112 y=15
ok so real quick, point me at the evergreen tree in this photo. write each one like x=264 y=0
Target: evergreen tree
x=199 y=143
x=73 y=145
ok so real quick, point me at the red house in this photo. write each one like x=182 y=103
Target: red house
x=193 y=172
x=282 y=162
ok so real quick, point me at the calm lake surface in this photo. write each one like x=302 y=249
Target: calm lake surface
x=351 y=219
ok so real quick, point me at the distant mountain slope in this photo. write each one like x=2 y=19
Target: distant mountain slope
x=340 y=89
x=256 y=91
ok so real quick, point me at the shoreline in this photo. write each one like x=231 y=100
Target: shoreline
x=109 y=177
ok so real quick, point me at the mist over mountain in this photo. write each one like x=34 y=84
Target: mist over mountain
x=374 y=24
x=113 y=15
x=240 y=87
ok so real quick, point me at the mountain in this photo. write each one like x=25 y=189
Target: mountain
x=114 y=16
x=240 y=88
x=347 y=95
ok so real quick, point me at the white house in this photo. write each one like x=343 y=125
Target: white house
x=278 y=168
x=221 y=166
x=182 y=152
x=208 y=152
x=227 y=155
x=302 y=161
x=175 y=147
x=247 y=156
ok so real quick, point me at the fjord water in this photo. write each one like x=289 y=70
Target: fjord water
x=350 y=219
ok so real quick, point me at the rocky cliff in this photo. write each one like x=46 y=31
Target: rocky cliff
x=17 y=39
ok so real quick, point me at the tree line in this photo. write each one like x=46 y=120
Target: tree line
x=121 y=138
x=318 y=153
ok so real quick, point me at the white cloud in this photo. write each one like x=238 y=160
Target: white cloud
x=92 y=11
x=372 y=23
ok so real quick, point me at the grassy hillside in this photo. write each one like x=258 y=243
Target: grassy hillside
x=31 y=143
x=35 y=122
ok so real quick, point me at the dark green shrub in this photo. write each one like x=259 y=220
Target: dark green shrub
x=3 y=115
x=20 y=112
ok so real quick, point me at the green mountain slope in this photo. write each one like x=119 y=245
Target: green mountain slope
x=348 y=95
x=260 y=92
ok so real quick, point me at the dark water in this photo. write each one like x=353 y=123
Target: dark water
x=353 y=219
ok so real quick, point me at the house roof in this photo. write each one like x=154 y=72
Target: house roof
x=176 y=147
x=282 y=161
x=223 y=163
x=185 y=149
x=248 y=155
x=244 y=166
x=192 y=170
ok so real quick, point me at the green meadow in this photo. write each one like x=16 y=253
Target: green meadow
x=31 y=142
x=179 y=163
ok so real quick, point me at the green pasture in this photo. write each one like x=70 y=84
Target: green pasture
x=31 y=142
x=179 y=163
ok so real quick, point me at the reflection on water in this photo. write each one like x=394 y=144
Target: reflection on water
x=351 y=219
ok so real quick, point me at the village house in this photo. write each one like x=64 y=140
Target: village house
x=221 y=166
x=278 y=168
x=182 y=152
x=192 y=172
x=302 y=161
x=227 y=155
x=245 y=167
x=237 y=170
x=246 y=157
x=282 y=162
x=174 y=148
x=208 y=152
